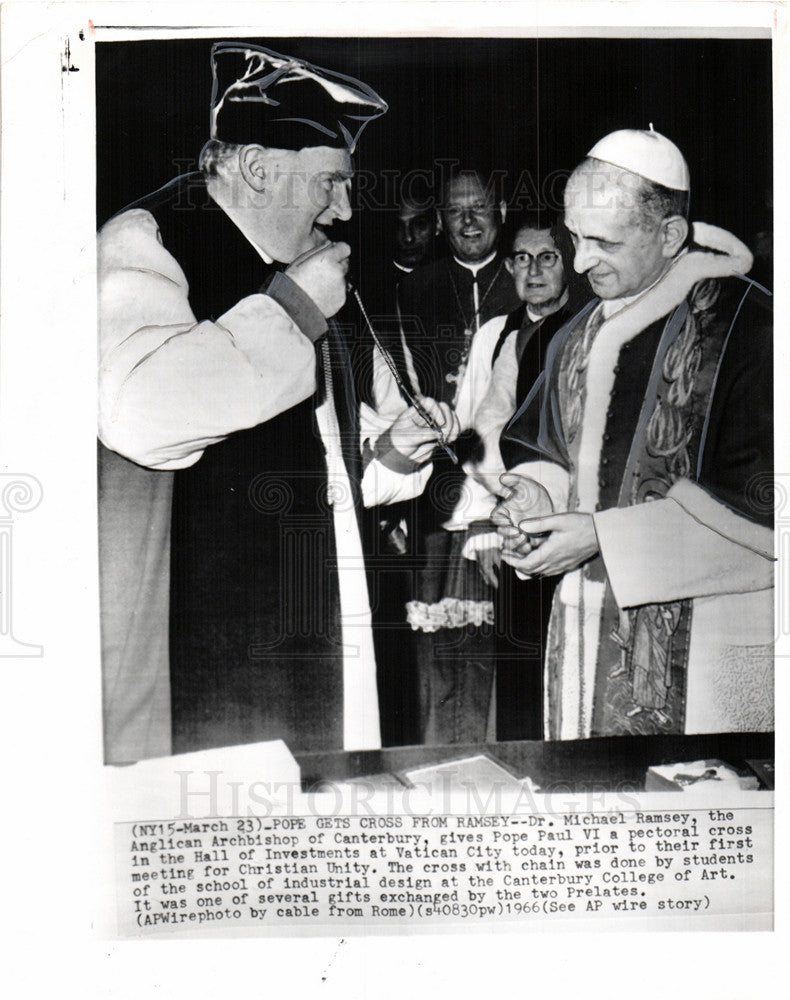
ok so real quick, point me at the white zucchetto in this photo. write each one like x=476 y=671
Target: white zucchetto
x=646 y=153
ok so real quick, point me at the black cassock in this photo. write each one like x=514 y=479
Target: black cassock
x=255 y=634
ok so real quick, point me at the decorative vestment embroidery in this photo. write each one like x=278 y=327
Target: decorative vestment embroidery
x=638 y=685
x=643 y=689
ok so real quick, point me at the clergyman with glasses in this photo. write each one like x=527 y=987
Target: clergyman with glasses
x=506 y=359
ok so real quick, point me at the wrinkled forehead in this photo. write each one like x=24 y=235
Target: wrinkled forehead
x=325 y=159
x=594 y=185
x=533 y=241
x=467 y=190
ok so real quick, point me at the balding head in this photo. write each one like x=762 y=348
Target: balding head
x=625 y=229
x=470 y=217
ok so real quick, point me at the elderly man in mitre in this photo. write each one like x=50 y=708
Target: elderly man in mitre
x=234 y=601
x=644 y=454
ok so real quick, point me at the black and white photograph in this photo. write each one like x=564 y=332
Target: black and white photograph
x=427 y=514
x=318 y=363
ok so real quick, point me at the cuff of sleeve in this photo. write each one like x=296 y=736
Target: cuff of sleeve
x=392 y=459
x=481 y=528
x=658 y=552
x=297 y=303
x=552 y=477
x=726 y=522
x=475 y=543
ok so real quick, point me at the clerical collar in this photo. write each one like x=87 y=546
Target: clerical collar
x=563 y=301
x=474 y=268
x=400 y=267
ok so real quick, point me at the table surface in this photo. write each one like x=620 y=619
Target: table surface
x=616 y=763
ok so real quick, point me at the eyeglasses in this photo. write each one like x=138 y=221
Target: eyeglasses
x=545 y=259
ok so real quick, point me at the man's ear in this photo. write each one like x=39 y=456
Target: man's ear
x=509 y=266
x=503 y=210
x=439 y=226
x=675 y=230
x=252 y=166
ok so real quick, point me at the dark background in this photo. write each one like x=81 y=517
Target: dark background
x=530 y=108
x=526 y=109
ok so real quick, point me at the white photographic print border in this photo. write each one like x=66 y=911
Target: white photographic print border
x=63 y=802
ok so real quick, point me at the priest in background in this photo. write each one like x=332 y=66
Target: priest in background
x=443 y=306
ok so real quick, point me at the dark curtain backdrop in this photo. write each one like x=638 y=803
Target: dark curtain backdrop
x=529 y=109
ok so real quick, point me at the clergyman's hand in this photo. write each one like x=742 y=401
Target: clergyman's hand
x=321 y=273
x=521 y=498
x=571 y=540
x=412 y=437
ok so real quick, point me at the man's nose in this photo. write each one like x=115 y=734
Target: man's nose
x=341 y=203
x=534 y=266
x=584 y=257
